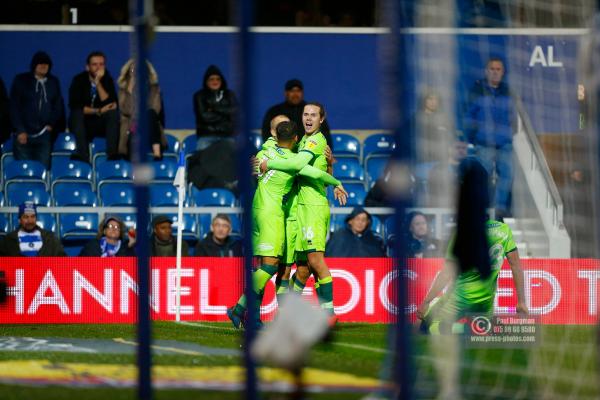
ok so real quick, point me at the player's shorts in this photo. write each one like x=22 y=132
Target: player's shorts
x=291 y=232
x=268 y=233
x=313 y=224
x=443 y=314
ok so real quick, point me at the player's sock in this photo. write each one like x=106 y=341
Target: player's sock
x=318 y=291
x=297 y=286
x=326 y=293
x=240 y=308
x=261 y=276
x=282 y=289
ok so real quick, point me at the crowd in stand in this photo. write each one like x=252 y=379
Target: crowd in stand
x=34 y=113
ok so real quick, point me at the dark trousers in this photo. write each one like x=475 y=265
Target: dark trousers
x=87 y=127
x=37 y=149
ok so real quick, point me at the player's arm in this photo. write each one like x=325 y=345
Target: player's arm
x=442 y=279
x=292 y=164
x=340 y=193
x=515 y=265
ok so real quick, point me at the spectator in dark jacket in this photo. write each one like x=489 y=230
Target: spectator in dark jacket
x=111 y=241
x=293 y=108
x=356 y=239
x=214 y=107
x=93 y=104
x=4 y=113
x=419 y=243
x=162 y=242
x=29 y=239
x=218 y=243
x=36 y=109
x=491 y=121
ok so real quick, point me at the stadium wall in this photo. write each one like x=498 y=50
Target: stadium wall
x=97 y=290
x=338 y=66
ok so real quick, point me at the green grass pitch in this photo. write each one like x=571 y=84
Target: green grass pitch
x=563 y=365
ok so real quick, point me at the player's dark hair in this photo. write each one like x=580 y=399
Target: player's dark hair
x=494 y=59
x=316 y=104
x=95 y=54
x=286 y=130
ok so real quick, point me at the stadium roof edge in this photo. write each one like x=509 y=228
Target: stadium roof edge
x=297 y=30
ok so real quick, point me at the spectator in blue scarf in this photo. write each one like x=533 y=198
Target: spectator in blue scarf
x=110 y=242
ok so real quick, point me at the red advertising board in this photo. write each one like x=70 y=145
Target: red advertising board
x=101 y=290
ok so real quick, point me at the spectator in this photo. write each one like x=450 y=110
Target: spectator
x=292 y=107
x=93 y=104
x=419 y=244
x=356 y=239
x=128 y=107
x=29 y=239
x=217 y=242
x=4 y=113
x=110 y=241
x=443 y=177
x=491 y=118
x=432 y=135
x=162 y=242
x=36 y=109
x=214 y=107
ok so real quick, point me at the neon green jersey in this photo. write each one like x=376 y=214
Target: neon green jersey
x=270 y=143
x=312 y=191
x=469 y=286
x=273 y=184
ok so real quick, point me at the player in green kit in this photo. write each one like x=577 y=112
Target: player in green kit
x=268 y=214
x=469 y=293
x=313 y=206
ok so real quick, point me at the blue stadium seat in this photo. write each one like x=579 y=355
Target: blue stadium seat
x=190 y=226
x=6 y=159
x=164 y=170
x=390 y=227
x=337 y=221
x=356 y=194
x=113 y=171
x=255 y=140
x=378 y=143
x=72 y=250
x=98 y=151
x=7 y=146
x=19 y=192
x=65 y=169
x=116 y=194
x=77 y=227
x=73 y=194
x=213 y=197
x=25 y=170
x=377 y=225
x=345 y=145
x=3 y=224
x=163 y=195
x=172 y=144
x=64 y=143
x=348 y=169
x=189 y=144
x=375 y=166
x=130 y=220
x=46 y=221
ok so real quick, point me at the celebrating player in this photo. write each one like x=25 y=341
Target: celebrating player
x=313 y=207
x=268 y=214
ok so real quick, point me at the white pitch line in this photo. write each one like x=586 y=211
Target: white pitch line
x=362 y=347
x=201 y=325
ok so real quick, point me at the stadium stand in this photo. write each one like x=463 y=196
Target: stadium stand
x=73 y=194
x=116 y=194
x=349 y=170
x=213 y=197
x=163 y=195
x=19 y=192
x=346 y=145
x=64 y=144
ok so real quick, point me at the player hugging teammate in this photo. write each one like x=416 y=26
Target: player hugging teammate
x=291 y=213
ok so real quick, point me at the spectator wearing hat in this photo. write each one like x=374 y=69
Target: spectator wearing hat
x=292 y=107
x=162 y=242
x=218 y=242
x=36 y=110
x=214 y=107
x=29 y=239
x=111 y=241
x=356 y=239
